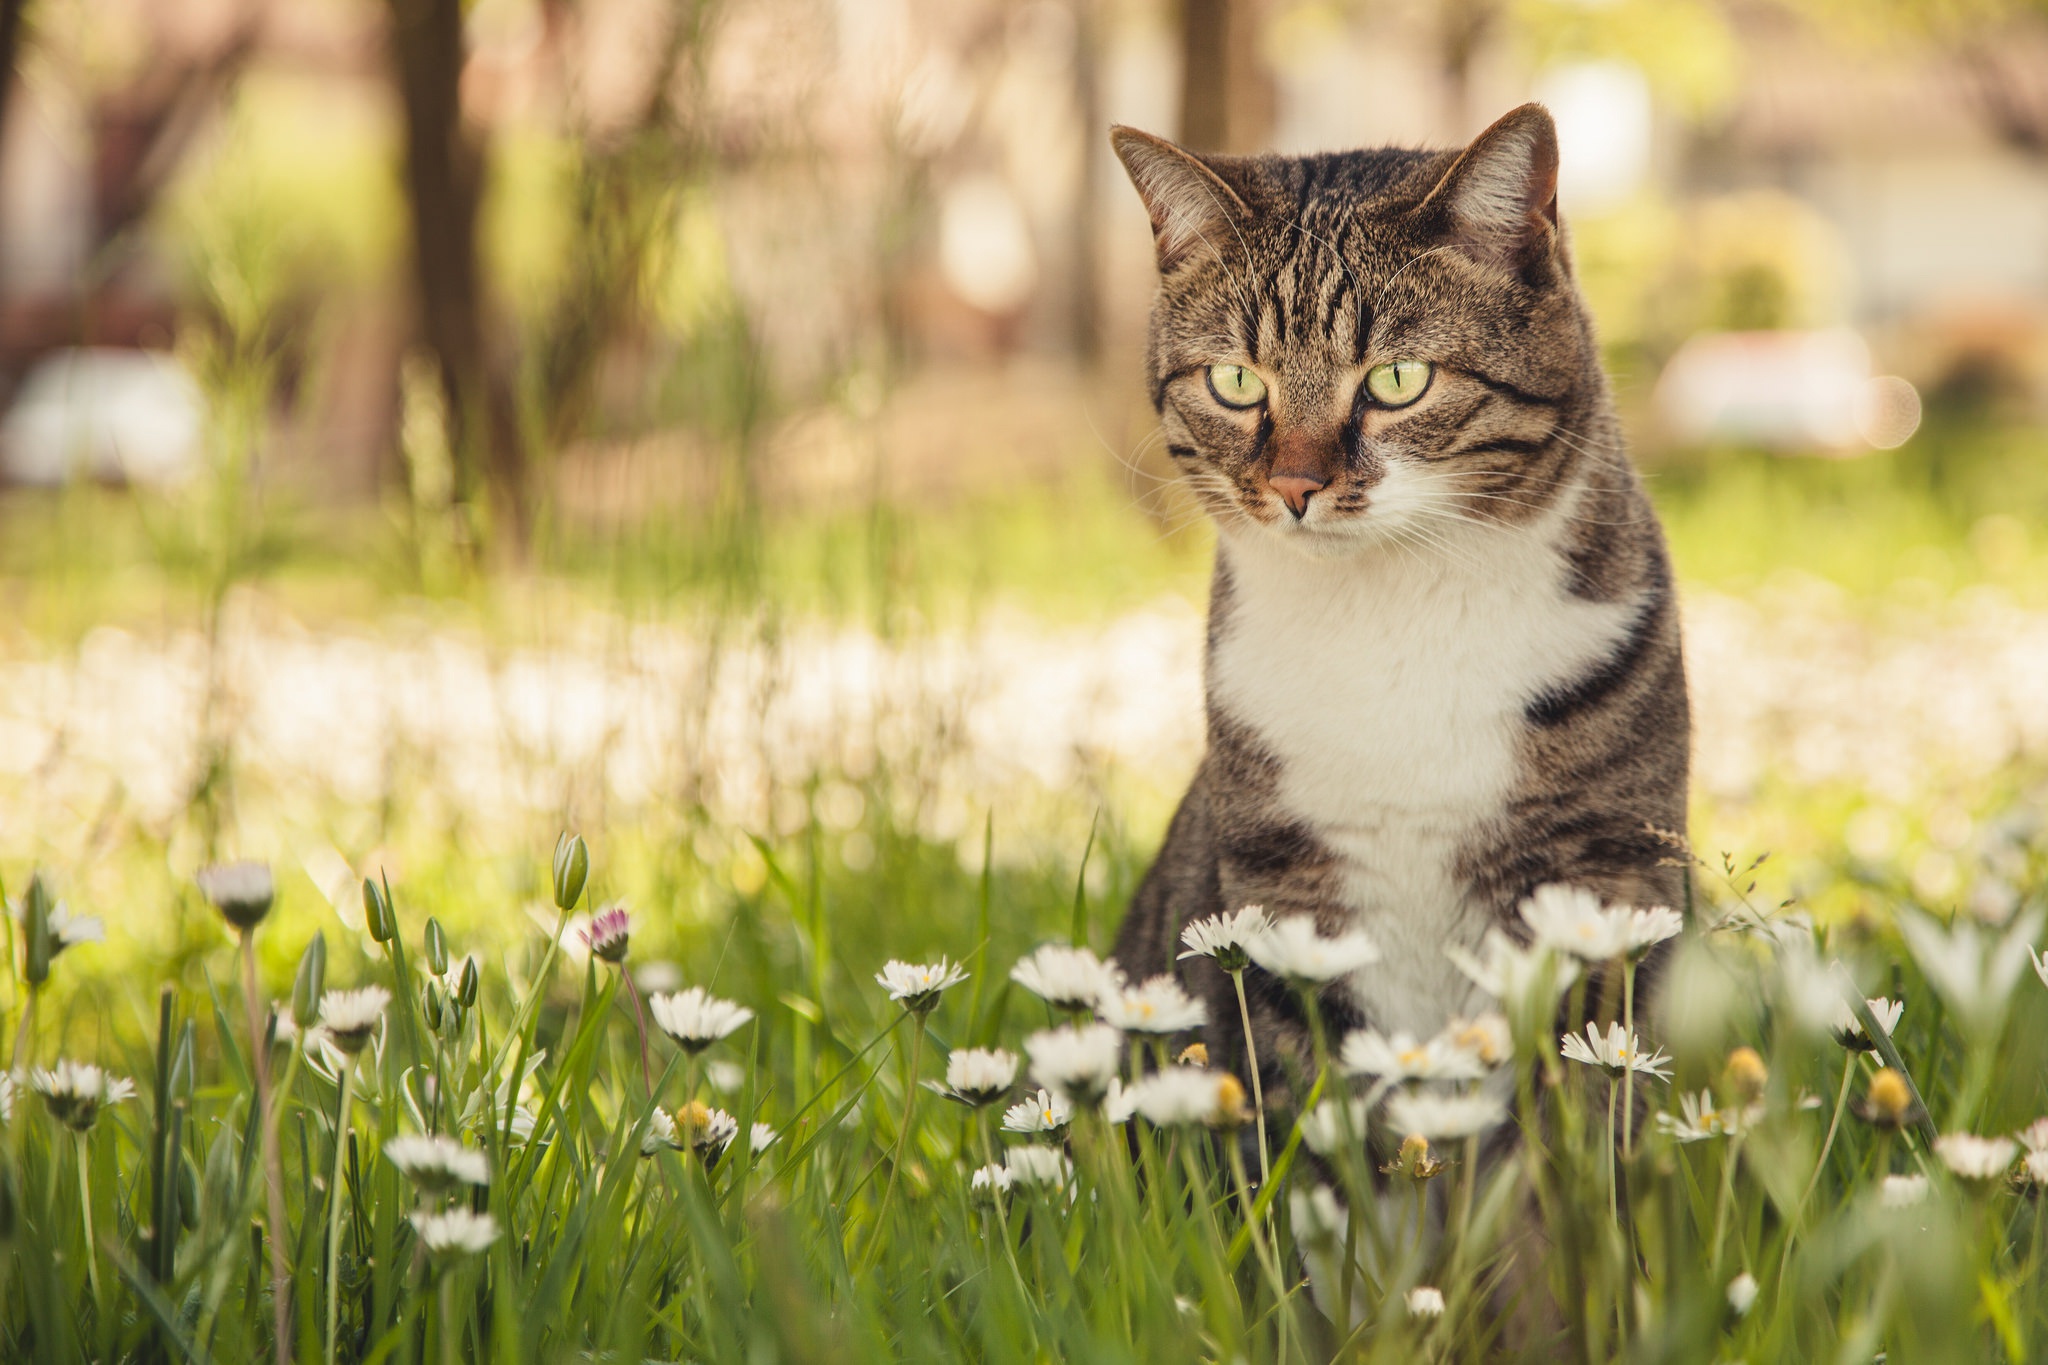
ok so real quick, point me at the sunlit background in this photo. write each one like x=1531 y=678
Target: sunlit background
x=718 y=426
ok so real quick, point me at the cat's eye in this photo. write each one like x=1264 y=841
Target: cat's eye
x=1236 y=386
x=1398 y=383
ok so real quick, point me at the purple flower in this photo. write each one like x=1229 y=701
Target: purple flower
x=608 y=933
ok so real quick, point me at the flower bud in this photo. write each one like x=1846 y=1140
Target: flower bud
x=377 y=916
x=1888 y=1103
x=437 y=947
x=310 y=982
x=433 y=1008
x=1194 y=1054
x=1746 y=1075
x=466 y=991
x=572 y=870
x=35 y=930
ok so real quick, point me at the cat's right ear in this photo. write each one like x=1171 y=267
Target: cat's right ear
x=1193 y=210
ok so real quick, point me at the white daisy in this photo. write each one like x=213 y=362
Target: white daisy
x=1902 y=1191
x=988 y=1182
x=1067 y=978
x=1319 y=1220
x=1966 y=963
x=916 y=985
x=1224 y=936
x=1077 y=1062
x=75 y=1092
x=1295 y=950
x=1651 y=926
x=1180 y=1095
x=704 y=1130
x=980 y=1075
x=1119 y=1103
x=1848 y=1029
x=1522 y=979
x=695 y=1018
x=2036 y=1167
x=242 y=892
x=1444 y=1117
x=6 y=1096
x=1976 y=1158
x=348 y=1018
x=1158 y=1006
x=1034 y=1165
x=1366 y=1052
x=661 y=1132
x=2033 y=1137
x=760 y=1138
x=1571 y=920
x=1742 y=1294
x=1425 y=1302
x=1327 y=1127
x=68 y=930
x=1044 y=1112
x=458 y=1231
x=437 y=1164
x=1615 y=1050
x=1485 y=1037
x=1700 y=1120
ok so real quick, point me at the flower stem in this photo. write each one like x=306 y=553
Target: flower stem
x=446 y=1294
x=639 y=1022
x=348 y=1075
x=1251 y=1063
x=1613 y=1194
x=1726 y=1198
x=273 y=1171
x=1628 y=1080
x=92 y=1253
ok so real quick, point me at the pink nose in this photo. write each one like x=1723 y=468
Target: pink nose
x=1295 y=490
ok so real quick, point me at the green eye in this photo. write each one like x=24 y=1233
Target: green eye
x=1236 y=386
x=1397 y=384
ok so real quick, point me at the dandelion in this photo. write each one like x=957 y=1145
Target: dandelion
x=1445 y=1117
x=916 y=985
x=1522 y=979
x=1330 y=1125
x=1037 y=1167
x=1067 y=978
x=695 y=1018
x=1976 y=1158
x=608 y=933
x=1044 y=1112
x=1182 y=1095
x=1742 y=1294
x=242 y=892
x=1296 y=951
x=1224 y=937
x=1848 y=1029
x=760 y=1138
x=437 y=1164
x=1975 y=971
x=348 y=1018
x=75 y=1092
x=978 y=1076
x=1619 y=1052
x=1077 y=1062
x=1400 y=1058
x=459 y=1232
x=990 y=1182
x=1901 y=1191
x=704 y=1130
x=661 y=1132
x=1158 y=1006
x=1425 y=1302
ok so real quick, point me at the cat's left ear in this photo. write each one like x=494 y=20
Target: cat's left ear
x=1501 y=194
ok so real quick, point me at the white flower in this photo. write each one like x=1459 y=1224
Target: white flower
x=1067 y=978
x=1848 y=1029
x=1445 y=1117
x=1319 y=1220
x=1077 y=1062
x=1327 y=1127
x=1181 y=1095
x=1571 y=920
x=1400 y=1058
x=917 y=984
x=1651 y=926
x=75 y=1092
x=350 y=1017
x=437 y=1164
x=1158 y=1006
x=2040 y=961
x=1615 y=1050
x=760 y=1138
x=68 y=930
x=661 y=1132
x=1041 y=1113
x=1295 y=950
x=457 y=1230
x=6 y=1096
x=980 y=1075
x=1119 y=1103
x=1976 y=1158
x=1742 y=1293
x=1036 y=1165
x=1902 y=1191
x=695 y=1018
x=725 y=1076
x=1975 y=971
x=1701 y=1120
x=2033 y=1137
x=704 y=1130
x=990 y=1181
x=608 y=933
x=1522 y=979
x=1224 y=936
x=1425 y=1302
x=242 y=892
x=2036 y=1166
x=1485 y=1037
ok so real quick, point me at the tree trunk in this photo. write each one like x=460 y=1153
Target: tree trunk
x=444 y=165
x=1226 y=94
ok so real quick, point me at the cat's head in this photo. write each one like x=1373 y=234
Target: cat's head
x=1349 y=348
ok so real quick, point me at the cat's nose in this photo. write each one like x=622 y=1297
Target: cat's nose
x=1295 y=491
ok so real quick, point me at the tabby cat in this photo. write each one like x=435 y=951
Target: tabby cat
x=1443 y=661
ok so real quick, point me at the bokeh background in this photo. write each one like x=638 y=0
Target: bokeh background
x=717 y=425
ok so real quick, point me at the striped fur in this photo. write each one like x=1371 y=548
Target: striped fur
x=1457 y=676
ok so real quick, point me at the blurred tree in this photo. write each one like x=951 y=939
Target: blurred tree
x=1226 y=96
x=444 y=165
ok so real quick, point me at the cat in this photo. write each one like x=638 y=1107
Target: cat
x=1443 y=664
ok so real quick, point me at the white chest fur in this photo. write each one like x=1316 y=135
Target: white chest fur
x=1389 y=685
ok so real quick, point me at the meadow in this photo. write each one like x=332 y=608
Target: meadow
x=799 y=747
